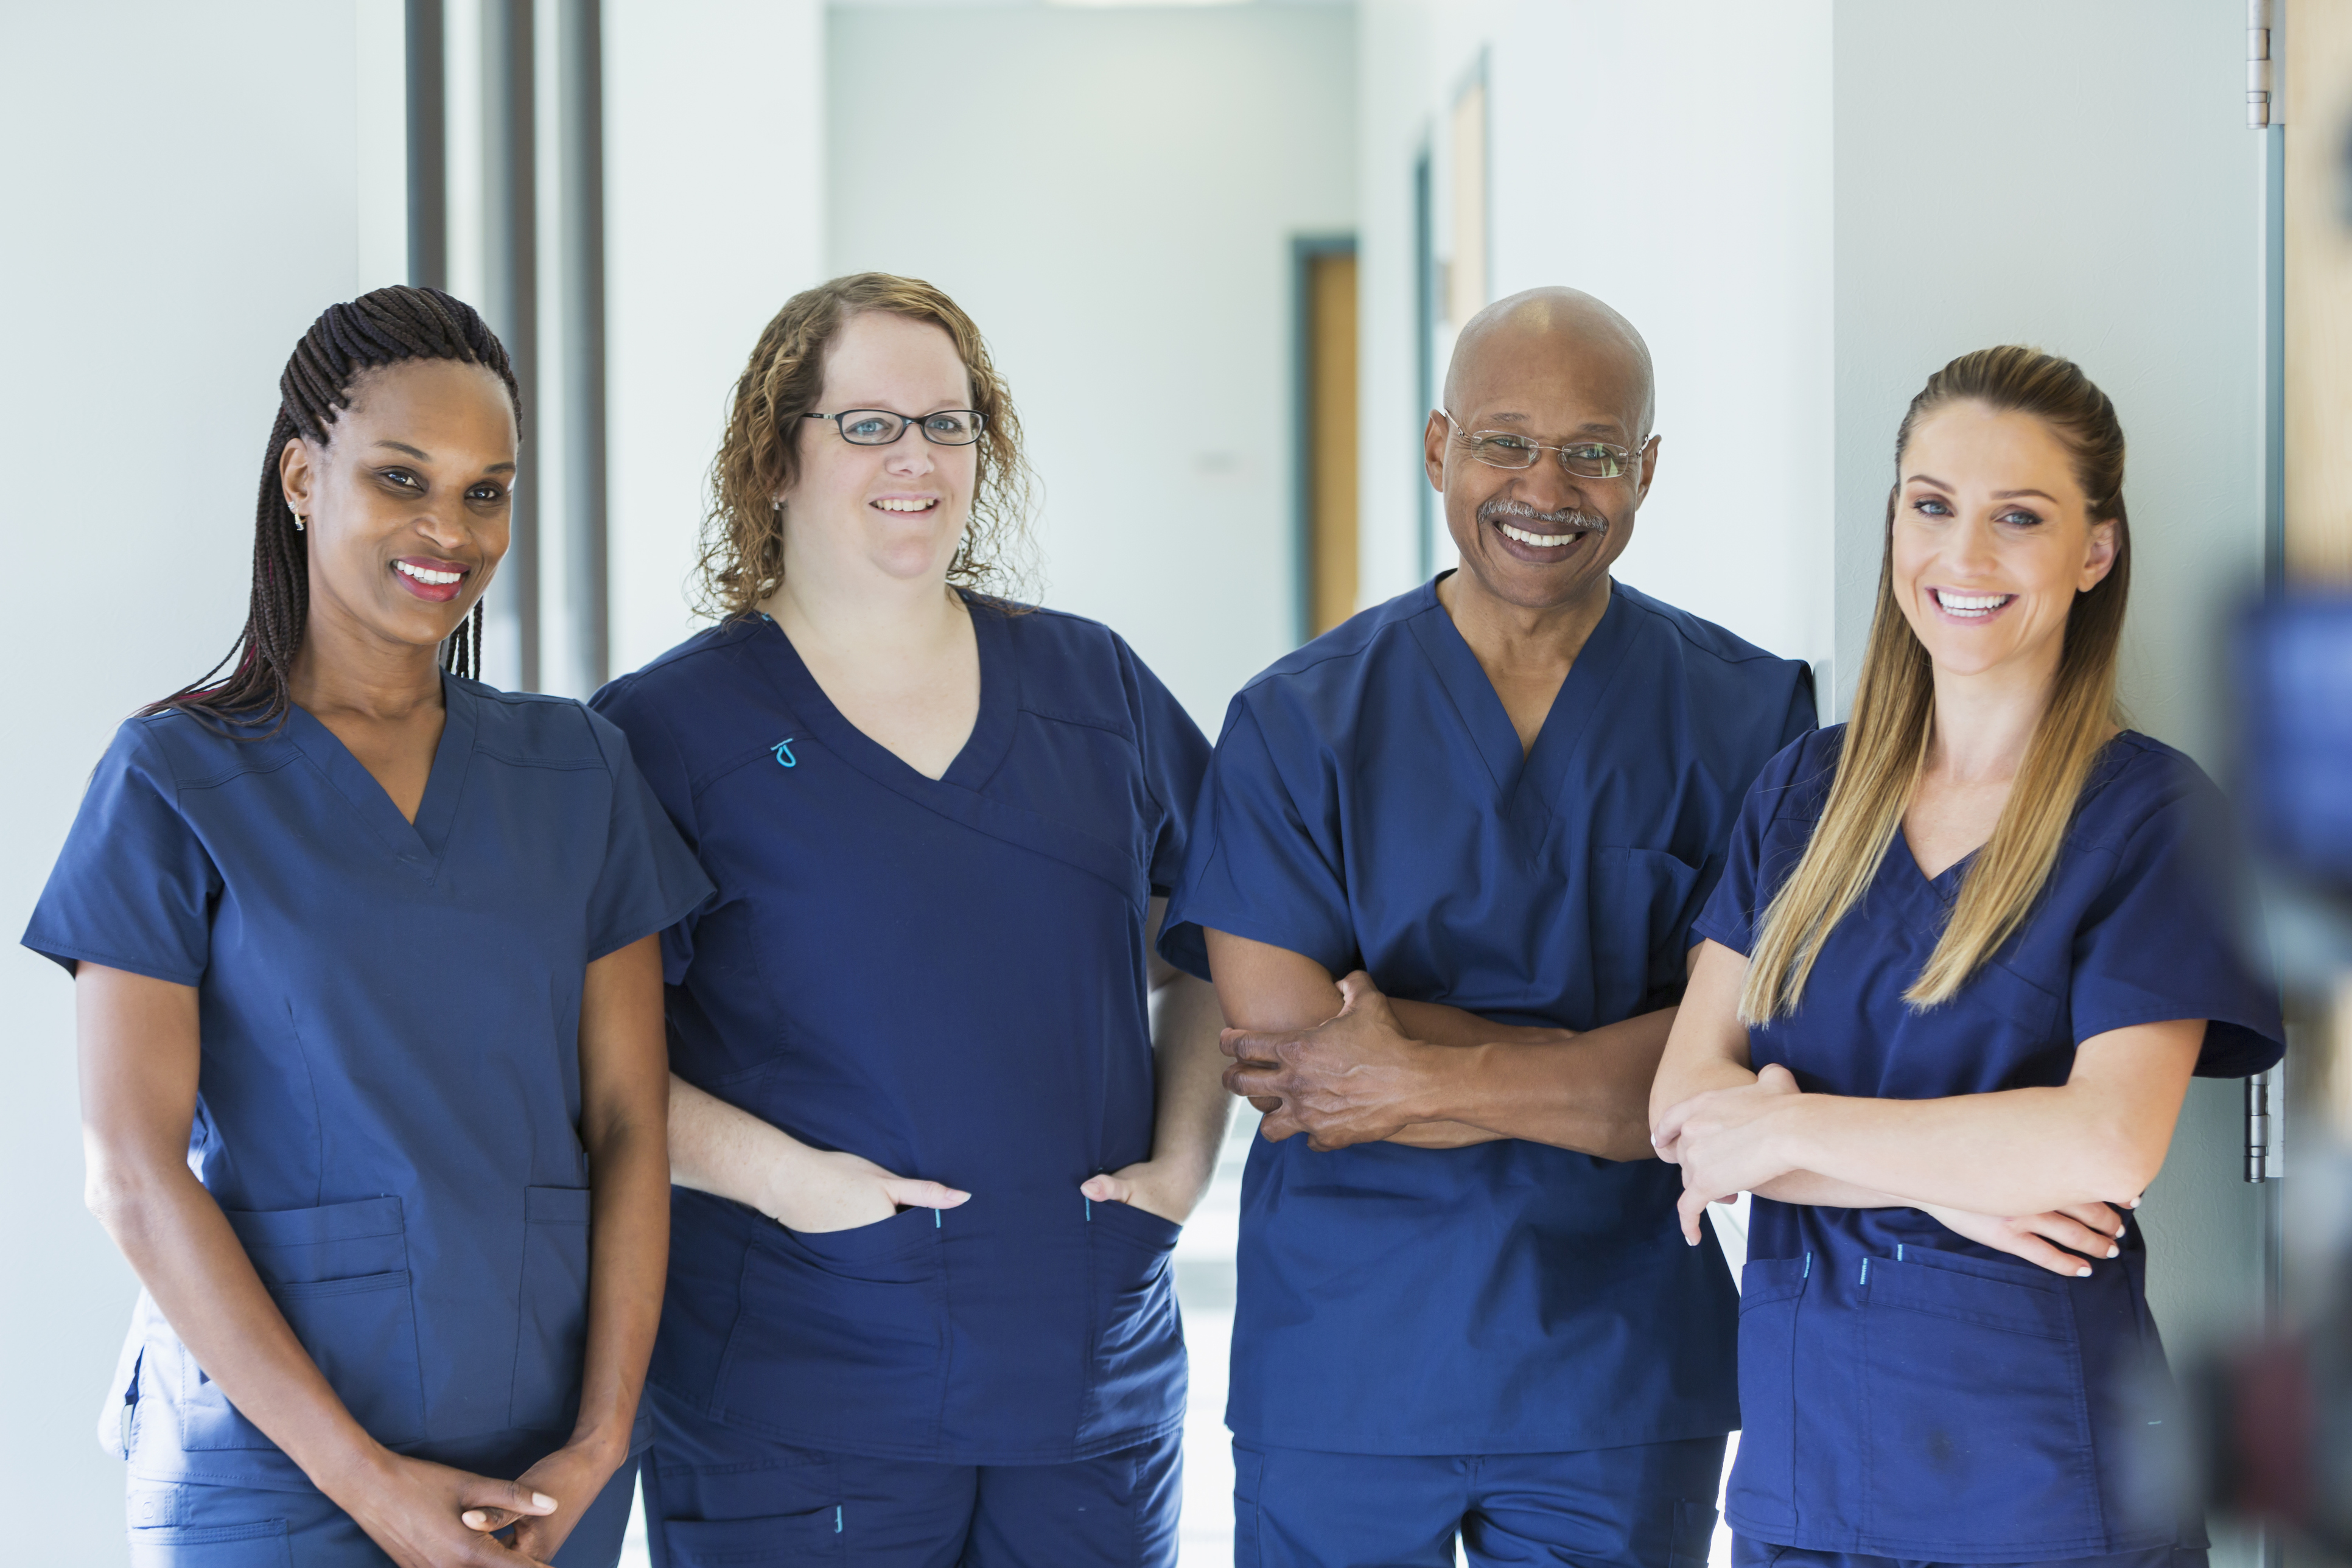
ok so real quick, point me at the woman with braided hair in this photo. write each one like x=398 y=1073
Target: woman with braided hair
x=370 y=1020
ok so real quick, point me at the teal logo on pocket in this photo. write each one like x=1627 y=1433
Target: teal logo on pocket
x=783 y=750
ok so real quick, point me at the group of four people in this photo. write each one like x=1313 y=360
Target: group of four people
x=782 y=1079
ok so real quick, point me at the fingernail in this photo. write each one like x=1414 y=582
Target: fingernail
x=543 y=1500
x=2133 y=1205
x=2084 y=1272
x=472 y=1517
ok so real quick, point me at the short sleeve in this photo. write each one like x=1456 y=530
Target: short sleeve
x=650 y=881
x=1259 y=865
x=133 y=888
x=1796 y=725
x=1751 y=873
x=2166 y=939
x=1175 y=757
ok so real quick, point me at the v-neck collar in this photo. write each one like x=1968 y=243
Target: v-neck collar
x=983 y=749
x=1480 y=706
x=420 y=844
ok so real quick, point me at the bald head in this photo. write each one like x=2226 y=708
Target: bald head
x=1553 y=327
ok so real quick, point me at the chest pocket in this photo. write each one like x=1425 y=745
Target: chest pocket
x=1639 y=917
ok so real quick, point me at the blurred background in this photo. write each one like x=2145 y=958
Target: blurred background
x=1220 y=250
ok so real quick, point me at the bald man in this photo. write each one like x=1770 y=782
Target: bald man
x=1444 y=868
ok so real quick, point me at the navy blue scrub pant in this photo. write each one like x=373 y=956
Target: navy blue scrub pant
x=1749 y=1553
x=716 y=1495
x=1649 y=1506
x=188 y=1524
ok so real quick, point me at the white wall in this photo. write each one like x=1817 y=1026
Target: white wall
x=183 y=201
x=714 y=131
x=1123 y=239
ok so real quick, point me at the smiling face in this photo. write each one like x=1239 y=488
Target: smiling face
x=1556 y=371
x=407 y=506
x=1992 y=541
x=900 y=509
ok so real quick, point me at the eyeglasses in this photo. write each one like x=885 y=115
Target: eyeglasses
x=879 y=426
x=1509 y=449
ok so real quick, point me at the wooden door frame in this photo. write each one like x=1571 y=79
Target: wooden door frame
x=1305 y=250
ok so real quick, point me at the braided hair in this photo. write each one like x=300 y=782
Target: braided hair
x=384 y=327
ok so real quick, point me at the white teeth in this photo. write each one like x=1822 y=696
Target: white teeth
x=1540 y=540
x=895 y=505
x=423 y=574
x=1971 y=604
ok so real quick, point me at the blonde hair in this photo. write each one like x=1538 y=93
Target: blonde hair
x=1893 y=717
x=742 y=558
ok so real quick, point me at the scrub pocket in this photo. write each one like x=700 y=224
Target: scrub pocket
x=262 y=1544
x=340 y=1275
x=554 y=1341
x=1137 y=1332
x=1975 y=1432
x=1763 y=1477
x=812 y=1538
x=849 y=1323
x=1640 y=922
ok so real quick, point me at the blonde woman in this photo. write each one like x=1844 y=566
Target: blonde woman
x=1968 y=951
x=920 y=1310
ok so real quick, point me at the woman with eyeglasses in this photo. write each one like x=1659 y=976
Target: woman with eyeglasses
x=1969 y=949
x=938 y=1111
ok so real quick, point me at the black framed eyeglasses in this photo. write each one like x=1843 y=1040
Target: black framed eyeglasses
x=879 y=426
x=1509 y=449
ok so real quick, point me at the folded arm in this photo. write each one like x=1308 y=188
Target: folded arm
x=2068 y=1152
x=1347 y=1065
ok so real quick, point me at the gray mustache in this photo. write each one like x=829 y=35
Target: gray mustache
x=1519 y=513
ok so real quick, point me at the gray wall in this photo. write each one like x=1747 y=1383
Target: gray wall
x=1122 y=236
x=2078 y=177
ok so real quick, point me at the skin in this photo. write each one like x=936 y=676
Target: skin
x=1337 y=1060
x=865 y=601
x=1989 y=506
x=418 y=469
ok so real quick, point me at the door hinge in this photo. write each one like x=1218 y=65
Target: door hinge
x=2261 y=84
x=2262 y=1147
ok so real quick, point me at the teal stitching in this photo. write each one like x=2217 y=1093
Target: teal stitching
x=783 y=750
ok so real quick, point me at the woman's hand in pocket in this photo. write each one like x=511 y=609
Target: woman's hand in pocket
x=824 y=1189
x=1157 y=1187
x=2083 y=1231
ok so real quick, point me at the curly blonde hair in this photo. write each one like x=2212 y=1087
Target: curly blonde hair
x=743 y=554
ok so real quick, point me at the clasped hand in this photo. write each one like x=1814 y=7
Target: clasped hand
x=1724 y=1140
x=1349 y=1080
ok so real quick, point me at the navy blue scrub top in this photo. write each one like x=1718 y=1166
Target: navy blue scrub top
x=946 y=977
x=1908 y=1393
x=1370 y=807
x=388 y=1103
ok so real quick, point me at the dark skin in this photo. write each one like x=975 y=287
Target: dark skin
x=418 y=469
x=1337 y=1060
